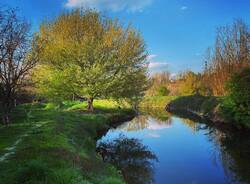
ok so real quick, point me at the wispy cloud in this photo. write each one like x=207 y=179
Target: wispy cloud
x=113 y=5
x=157 y=65
x=154 y=64
x=183 y=8
x=151 y=56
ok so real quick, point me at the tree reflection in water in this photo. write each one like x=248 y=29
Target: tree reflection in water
x=234 y=149
x=150 y=118
x=131 y=157
x=231 y=149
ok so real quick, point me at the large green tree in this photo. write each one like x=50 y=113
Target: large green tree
x=92 y=56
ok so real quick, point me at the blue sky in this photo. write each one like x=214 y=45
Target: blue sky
x=177 y=32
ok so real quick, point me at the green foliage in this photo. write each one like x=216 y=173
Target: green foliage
x=35 y=171
x=68 y=176
x=163 y=91
x=112 y=180
x=209 y=105
x=236 y=105
x=86 y=54
x=156 y=101
x=197 y=103
x=191 y=84
x=58 y=144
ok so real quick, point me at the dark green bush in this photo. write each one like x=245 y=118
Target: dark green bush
x=35 y=171
x=209 y=105
x=236 y=105
x=67 y=176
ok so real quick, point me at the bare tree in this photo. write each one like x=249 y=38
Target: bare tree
x=230 y=54
x=17 y=58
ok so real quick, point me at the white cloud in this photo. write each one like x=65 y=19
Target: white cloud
x=183 y=8
x=153 y=64
x=156 y=64
x=114 y=5
x=150 y=57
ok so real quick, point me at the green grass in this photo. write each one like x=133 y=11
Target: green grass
x=47 y=143
x=156 y=101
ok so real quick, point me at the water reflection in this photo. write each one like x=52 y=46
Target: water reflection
x=152 y=119
x=159 y=114
x=145 y=122
x=234 y=149
x=188 y=149
x=231 y=149
x=130 y=156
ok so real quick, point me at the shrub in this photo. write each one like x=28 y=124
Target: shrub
x=67 y=176
x=35 y=171
x=163 y=91
x=112 y=180
x=236 y=105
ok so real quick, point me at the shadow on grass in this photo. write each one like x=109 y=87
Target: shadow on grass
x=58 y=137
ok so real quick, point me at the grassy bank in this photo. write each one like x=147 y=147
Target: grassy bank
x=211 y=108
x=156 y=101
x=51 y=144
x=198 y=104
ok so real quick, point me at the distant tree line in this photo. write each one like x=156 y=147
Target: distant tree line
x=230 y=55
x=185 y=83
x=226 y=74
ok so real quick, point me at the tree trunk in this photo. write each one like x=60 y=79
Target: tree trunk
x=7 y=106
x=90 y=104
x=6 y=117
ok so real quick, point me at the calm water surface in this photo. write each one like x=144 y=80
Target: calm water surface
x=186 y=152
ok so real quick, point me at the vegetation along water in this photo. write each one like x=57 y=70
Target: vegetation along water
x=83 y=100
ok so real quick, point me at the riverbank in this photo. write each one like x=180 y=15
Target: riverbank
x=197 y=106
x=205 y=107
x=51 y=144
x=156 y=101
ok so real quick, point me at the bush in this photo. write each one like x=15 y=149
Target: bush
x=209 y=104
x=236 y=105
x=111 y=180
x=67 y=176
x=163 y=91
x=35 y=171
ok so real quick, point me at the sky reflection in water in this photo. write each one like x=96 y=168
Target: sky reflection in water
x=189 y=152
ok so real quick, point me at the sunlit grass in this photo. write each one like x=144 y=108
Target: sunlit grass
x=61 y=137
x=157 y=101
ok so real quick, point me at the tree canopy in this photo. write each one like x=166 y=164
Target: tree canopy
x=89 y=55
x=16 y=58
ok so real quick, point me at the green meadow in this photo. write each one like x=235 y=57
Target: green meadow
x=48 y=143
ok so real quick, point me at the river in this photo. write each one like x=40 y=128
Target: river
x=156 y=147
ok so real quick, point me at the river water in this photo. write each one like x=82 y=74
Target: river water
x=164 y=149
